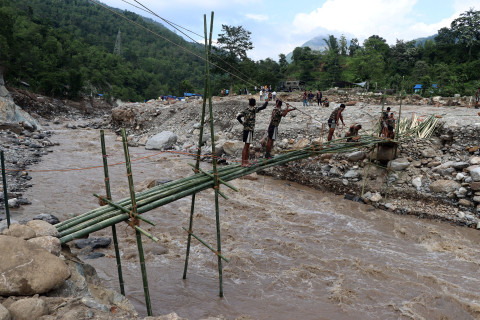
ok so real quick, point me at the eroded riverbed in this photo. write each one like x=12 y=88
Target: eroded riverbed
x=295 y=252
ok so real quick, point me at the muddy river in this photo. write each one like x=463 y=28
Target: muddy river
x=295 y=252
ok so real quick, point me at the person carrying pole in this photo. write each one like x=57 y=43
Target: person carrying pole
x=248 y=122
x=272 y=131
x=335 y=116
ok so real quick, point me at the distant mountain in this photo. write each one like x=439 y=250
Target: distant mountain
x=421 y=41
x=318 y=44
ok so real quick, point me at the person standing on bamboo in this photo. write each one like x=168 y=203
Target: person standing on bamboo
x=277 y=115
x=477 y=98
x=248 y=122
x=335 y=116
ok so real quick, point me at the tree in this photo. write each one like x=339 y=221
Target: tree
x=282 y=61
x=467 y=29
x=343 y=45
x=445 y=36
x=234 y=43
x=354 y=46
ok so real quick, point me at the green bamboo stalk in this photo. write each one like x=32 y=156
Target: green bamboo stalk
x=212 y=176
x=216 y=182
x=113 y=204
x=5 y=192
x=137 y=232
x=197 y=162
x=146 y=233
x=114 y=229
x=206 y=244
x=397 y=127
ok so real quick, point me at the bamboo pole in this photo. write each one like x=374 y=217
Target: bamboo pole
x=137 y=232
x=216 y=182
x=197 y=162
x=114 y=228
x=212 y=176
x=398 y=122
x=206 y=245
x=5 y=191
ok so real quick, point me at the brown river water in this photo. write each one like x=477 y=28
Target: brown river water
x=295 y=252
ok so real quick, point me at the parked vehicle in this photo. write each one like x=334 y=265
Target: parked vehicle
x=291 y=85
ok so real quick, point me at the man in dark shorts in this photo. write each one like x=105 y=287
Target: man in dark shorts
x=319 y=97
x=352 y=134
x=248 y=122
x=390 y=126
x=277 y=115
x=335 y=116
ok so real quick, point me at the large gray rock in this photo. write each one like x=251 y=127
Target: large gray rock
x=417 y=182
x=4 y=313
x=444 y=186
x=428 y=153
x=42 y=228
x=356 y=156
x=161 y=141
x=475 y=173
x=20 y=231
x=474 y=160
x=27 y=269
x=233 y=148
x=399 y=164
x=28 y=309
x=10 y=112
x=50 y=218
x=49 y=243
x=351 y=174
x=460 y=165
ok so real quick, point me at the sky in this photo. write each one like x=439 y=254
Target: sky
x=279 y=26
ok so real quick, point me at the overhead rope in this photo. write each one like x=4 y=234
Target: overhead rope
x=168 y=40
x=172 y=24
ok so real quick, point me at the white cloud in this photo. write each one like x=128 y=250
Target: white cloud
x=257 y=17
x=391 y=20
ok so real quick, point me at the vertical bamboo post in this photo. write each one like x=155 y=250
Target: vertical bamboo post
x=216 y=182
x=397 y=128
x=199 y=150
x=5 y=192
x=109 y=197
x=138 y=234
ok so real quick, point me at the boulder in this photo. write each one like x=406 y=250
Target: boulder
x=356 y=156
x=444 y=186
x=28 y=309
x=351 y=174
x=4 y=313
x=376 y=197
x=459 y=165
x=161 y=141
x=302 y=143
x=399 y=164
x=100 y=242
x=42 y=228
x=428 y=153
x=475 y=173
x=475 y=186
x=49 y=243
x=417 y=182
x=233 y=148
x=27 y=269
x=476 y=199
x=20 y=231
x=465 y=203
x=474 y=160
x=50 y=218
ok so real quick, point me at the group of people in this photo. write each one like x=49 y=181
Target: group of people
x=387 y=124
x=247 y=119
x=308 y=98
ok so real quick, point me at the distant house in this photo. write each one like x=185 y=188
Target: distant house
x=418 y=87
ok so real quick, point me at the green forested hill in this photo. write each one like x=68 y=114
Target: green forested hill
x=66 y=47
